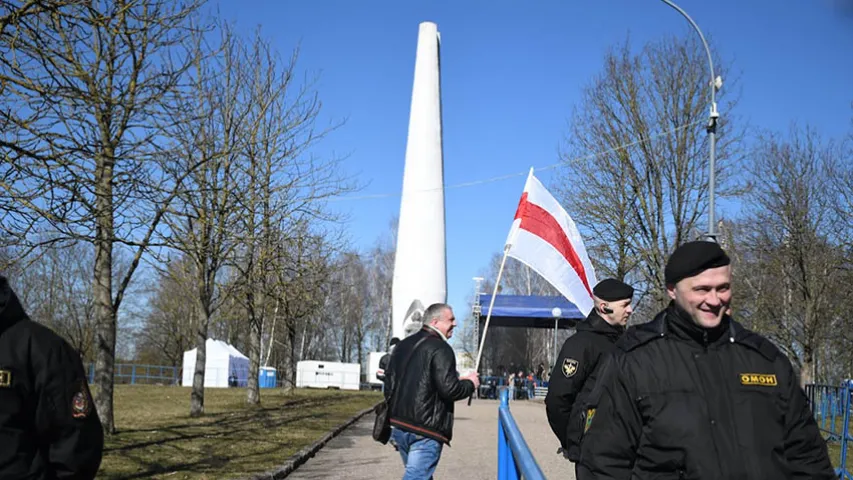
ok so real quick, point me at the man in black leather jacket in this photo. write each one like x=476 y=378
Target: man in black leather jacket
x=695 y=395
x=49 y=428
x=424 y=390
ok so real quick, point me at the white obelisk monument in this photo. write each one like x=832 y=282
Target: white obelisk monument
x=420 y=265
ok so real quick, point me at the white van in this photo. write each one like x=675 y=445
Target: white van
x=317 y=374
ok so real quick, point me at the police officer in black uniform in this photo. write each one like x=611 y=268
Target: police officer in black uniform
x=580 y=355
x=695 y=395
x=49 y=428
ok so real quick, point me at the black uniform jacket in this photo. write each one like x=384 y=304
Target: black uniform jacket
x=679 y=401
x=48 y=425
x=578 y=358
x=423 y=402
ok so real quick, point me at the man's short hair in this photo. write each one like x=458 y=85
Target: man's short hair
x=434 y=311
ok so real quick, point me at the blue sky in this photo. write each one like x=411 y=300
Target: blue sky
x=511 y=73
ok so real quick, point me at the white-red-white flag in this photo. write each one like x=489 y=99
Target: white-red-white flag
x=544 y=237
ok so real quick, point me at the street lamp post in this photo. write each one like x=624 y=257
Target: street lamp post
x=557 y=313
x=475 y=314
x=711 y=129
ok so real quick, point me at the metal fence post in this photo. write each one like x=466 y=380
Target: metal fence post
x=507 y=469
x=502 y=443
x=845 y=433
x=809 y=389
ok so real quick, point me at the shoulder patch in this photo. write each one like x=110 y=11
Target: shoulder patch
x=570 y=367
x=5 y=378
x=81 y=401
x=590 y=412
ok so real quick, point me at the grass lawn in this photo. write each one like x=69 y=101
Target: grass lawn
x=834 y=446
x=157 y=438
x=835 y=454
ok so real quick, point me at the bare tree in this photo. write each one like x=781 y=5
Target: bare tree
x=13 y=12
x=207 y=131
x=167 y=331
x=841 y=181
x=380 y=283
x=350 y=305
x=320 y=338
x=86 y=86
x=635 y=177
x=57 y=292
x=300 y=293
x=285 y=184
x=793 y=259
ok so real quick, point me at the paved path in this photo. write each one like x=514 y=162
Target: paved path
x=473 y=454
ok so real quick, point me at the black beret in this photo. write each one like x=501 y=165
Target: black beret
x=693 y=258
x=611 y=290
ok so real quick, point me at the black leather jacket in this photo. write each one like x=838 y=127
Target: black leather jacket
x=424 y=399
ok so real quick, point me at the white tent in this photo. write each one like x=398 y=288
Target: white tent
x=221 y=361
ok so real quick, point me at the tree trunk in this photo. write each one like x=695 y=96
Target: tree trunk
x=272 y=333
x=807 y=371
x=253 y=395
x=197 y=395
x=388 y=327
x=290 y=365
x=105 y=315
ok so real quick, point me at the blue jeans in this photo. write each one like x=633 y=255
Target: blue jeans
x=420 y=454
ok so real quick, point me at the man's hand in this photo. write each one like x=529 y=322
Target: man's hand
x=475 y=379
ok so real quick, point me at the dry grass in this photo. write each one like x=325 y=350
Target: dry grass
x=157 y=439
x=834 y=446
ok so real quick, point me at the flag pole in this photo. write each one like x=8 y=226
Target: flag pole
x=489 y=314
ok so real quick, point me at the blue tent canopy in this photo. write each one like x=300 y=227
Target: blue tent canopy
x=529 y=311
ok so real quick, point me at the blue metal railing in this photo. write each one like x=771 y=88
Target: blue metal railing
x=490 y=385
x=515 y=460
x=831 y=405
x=141 y=374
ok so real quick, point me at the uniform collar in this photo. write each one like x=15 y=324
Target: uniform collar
x=681 y=325
x=436 y=331
x=595 y=323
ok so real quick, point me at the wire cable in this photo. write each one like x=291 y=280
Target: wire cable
x=521 y=174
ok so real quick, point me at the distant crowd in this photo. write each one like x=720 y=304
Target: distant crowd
x=522 y=382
